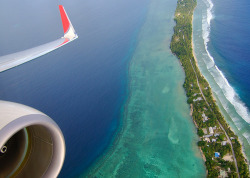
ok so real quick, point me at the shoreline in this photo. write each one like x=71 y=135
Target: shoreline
x=109 y=151
x=191 y=106
x=125 y=155
x=206 y=114
x=196 y=63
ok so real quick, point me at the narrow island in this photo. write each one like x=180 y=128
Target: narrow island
x=221 y=149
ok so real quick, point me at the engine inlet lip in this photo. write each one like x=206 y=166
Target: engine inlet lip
x=38 y=119
x=3 y=149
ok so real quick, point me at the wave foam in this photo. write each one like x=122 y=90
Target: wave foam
x=219 y=77
x=247 y=136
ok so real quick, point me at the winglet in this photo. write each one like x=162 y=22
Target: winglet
x=15 y=59
x=68 y=28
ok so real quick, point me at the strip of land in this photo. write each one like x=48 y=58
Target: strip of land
x=220 y=146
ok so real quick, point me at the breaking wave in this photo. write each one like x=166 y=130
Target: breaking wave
x=221 y=80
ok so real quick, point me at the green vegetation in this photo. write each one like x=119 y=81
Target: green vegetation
x=200 y=132
x=206 y=114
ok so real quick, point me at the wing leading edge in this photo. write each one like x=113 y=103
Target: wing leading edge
x=15 y=59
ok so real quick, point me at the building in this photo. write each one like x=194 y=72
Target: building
x=223 y=174
x=213 y=140
x=216 y=154
x=211 y=131
x=205 y=131
x=223 y=143
x=198 y=99
x=207 y=136
x=205 y=118
x=207 y=139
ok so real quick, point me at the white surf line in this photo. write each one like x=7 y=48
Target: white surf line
x=235 y=161
x=219 y=77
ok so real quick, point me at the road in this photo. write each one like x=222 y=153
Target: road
x=230 y=142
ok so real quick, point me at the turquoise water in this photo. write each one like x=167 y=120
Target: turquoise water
x=215 y=48
x=81 y=86
x=158 y=137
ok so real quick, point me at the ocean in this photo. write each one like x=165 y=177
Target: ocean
x=158 y=137
x=116 y=92
x=116 y=89
x=83 y=85
x=221 y=43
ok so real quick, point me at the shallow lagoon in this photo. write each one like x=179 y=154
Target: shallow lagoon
x=158 y=137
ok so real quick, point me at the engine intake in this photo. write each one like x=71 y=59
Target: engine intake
x=32 y=145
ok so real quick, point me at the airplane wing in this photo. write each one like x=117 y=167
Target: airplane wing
x=15 y=59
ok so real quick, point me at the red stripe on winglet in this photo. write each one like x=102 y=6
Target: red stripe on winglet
x=65 y=41
x=65 y=20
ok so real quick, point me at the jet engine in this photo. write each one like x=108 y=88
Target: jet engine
x=31 y=143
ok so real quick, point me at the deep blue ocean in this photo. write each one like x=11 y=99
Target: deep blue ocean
x=230 y=43
x=221 y=42
x=83 y=85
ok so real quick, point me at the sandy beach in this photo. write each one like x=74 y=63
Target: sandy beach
x=196 y=62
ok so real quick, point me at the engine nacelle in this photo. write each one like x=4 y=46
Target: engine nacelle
x=31 y=143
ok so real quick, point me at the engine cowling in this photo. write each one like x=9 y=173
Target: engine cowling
x=31 y=143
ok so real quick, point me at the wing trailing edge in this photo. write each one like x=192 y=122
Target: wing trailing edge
x=16 y=59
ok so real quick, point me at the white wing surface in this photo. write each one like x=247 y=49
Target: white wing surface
x=15 y=59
